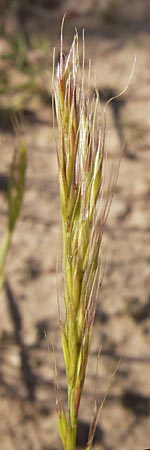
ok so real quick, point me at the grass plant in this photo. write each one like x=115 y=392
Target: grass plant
x=28 y=64
x=14 y=197
x=80 y=153
x=108 y=12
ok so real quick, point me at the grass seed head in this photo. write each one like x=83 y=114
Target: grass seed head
x=80 y=169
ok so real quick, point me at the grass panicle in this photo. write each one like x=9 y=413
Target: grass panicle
x=80 y=153
x=14 y=197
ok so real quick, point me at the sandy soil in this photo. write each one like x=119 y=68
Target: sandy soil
x=28 y=305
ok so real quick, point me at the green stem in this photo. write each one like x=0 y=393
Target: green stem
x=72 y=423
x=71 y=437
x=3 y=254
